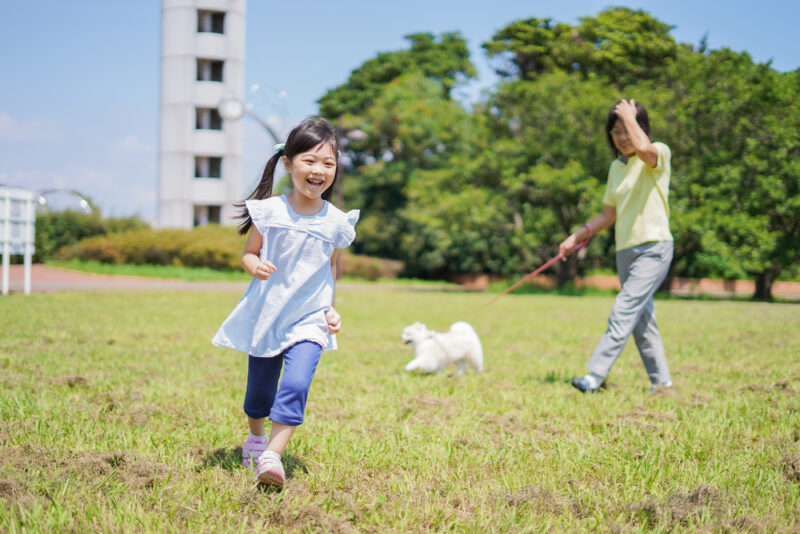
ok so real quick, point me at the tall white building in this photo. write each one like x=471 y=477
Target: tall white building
x=200 y=156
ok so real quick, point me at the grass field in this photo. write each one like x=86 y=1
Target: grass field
x=117 y=415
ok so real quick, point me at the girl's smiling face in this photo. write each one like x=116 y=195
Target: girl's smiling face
x=312 y=171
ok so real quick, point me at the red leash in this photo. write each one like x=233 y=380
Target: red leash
x=524 y=279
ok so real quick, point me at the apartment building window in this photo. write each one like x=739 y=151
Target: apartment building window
x=204 y=215
x=209 y=70
x=207 y=167
x=207 y=119
x=210 y=21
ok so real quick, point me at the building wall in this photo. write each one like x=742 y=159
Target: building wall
x=180 y=195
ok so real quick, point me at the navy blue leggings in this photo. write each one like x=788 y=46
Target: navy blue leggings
x=285 y=404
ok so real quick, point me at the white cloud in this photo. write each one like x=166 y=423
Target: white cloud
x=131 y=143
x=12 y=129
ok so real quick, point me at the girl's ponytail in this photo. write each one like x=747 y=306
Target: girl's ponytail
x=263 y=190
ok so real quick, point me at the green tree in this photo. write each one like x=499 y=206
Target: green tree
x=445 y=60
x=735 y=129
x=622 y=45
x=410 y=127
x=555 y=124
x=401 y=101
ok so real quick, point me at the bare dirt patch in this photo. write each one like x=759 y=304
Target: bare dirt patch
x=91 y=465
x=311 y=518
x=504 y=423
x=680 y=508
x=8 y=489
x=700 y=398
x=783 y=386
x=791 y=467
x=71 y=381
x=660 y=392
x=541 y=500
x=640 y=413
x=428 y=410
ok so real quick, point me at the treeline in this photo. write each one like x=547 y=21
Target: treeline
x=495 y=188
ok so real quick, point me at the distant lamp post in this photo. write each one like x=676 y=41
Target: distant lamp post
x=86 y=205
x=233 y=108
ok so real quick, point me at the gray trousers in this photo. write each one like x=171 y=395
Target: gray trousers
x=641 y=270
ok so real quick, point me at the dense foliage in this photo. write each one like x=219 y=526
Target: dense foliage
x=495 y=188
x=58 y=229
x=212 y=246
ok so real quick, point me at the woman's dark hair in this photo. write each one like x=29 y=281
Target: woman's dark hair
x=305 y=136
x=641 y=118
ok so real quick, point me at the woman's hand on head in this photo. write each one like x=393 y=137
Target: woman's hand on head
x=263 y=270
x=334 y=320
x=626 y=109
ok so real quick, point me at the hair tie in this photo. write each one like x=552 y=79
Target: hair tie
x=279 y=147
x=589 y=228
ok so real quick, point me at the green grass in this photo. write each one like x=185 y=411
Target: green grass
x=117 y=415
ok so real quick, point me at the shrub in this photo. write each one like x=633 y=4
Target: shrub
x=213 y=246
x=208 y=246
x=58 y=229
x=370 y=268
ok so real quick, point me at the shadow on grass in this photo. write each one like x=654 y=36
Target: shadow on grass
x=555 y=377
x=569 y=290
x=231 y=459
x=227 y=459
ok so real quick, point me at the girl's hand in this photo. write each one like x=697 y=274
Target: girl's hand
x=567 y=246
x=334 y=320
x=626 y=109
x=263 y=270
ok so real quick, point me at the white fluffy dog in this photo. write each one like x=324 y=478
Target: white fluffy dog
x=433 y=351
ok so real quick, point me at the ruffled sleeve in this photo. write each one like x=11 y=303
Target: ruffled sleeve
x=260 y=214
x=346 y=232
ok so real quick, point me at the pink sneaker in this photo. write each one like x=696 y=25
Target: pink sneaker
x=252 y=450
x=270 y=469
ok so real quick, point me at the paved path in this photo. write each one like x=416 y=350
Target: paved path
x=44 y=278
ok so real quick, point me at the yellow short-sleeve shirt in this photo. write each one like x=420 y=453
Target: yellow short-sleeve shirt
x=640 y=195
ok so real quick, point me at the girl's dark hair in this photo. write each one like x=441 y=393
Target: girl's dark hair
x=305 y=136
x=641 y=118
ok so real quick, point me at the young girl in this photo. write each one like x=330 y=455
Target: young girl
x=286 y=318
x=636 y=199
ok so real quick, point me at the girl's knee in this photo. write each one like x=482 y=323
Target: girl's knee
x=295 y=386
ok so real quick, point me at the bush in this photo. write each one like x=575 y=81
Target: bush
x=370 y=268
x=59 y=229
x=216 y=247
x=211 y=246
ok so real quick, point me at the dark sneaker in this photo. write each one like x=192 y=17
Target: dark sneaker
x=587 y=383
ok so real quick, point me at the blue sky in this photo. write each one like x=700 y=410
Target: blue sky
x=79 y=94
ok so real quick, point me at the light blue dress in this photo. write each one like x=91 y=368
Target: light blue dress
x=290 y=306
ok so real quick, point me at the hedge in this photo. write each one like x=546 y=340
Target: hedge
x=217 y=247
